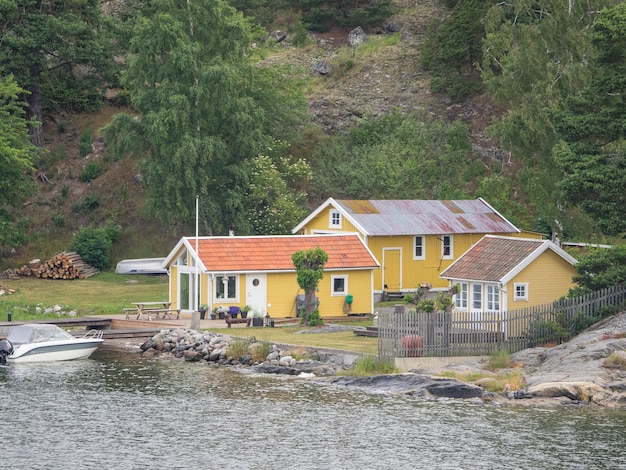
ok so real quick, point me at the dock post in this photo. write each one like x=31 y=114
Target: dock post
x=195 y=320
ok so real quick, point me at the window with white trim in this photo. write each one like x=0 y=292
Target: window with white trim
x=335 y=219
x=446 y=247
x=460 y=298
x=339 y=285
x=226 y=288
x=493 y=297
x=182 y=259
x=520 y=291
x=419 y=251
x=477 y=296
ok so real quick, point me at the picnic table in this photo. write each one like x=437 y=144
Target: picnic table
x=156 y=308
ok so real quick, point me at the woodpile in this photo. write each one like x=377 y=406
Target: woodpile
x=66 y=265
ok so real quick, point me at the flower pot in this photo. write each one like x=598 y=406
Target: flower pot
x=213 y=316
x=221 y=315
x=244 y=314
x=202 y=314
x=257 y=322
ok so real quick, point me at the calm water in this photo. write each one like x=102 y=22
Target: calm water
x=116 y=411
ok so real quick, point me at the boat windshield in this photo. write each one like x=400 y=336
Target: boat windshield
x=24 y=334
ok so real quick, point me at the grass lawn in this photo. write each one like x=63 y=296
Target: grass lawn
x=110 y=293
x=305 y=336
x=104 y=294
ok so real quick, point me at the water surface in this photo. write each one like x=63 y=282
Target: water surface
x=121 y=411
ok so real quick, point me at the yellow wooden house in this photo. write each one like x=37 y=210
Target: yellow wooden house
x=258 y=271
x=499 y=275
x=414 y=240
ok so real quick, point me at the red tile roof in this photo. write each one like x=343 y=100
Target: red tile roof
x=273 y=253
x=492 y=258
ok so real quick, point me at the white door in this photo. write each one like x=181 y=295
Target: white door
x=256 y=294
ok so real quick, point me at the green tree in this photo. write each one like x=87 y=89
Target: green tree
x=276 y=199
x=453 y=48
x=592 y=126
x=44 y=41
x=16 y=153
x=204 y=109
x=535 y=56
x=599 y=269
x=309 y=266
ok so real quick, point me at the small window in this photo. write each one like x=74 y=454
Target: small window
x=226 y=288
x=460 y=299
x=418 y=252
x=446 y=247
x=477 y=296
x=521 y=291
x=493 y=297
x=335 y=219
x=339 y=285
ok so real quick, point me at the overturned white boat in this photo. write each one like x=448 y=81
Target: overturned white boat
x=40 y=342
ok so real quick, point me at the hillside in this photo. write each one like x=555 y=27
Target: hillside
x=382 y=74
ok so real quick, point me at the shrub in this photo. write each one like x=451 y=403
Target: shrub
x=89 y=204
x=312 y=319
x=615 y=361
x=84 y=143
x=94 y=246
x=260 y=351
x=543 y=332
x=90 y=172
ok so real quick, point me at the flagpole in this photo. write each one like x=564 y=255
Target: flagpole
x=197 y=258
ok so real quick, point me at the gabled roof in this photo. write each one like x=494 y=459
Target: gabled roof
x=500 y=259
x=273 y=253
x=417 y=217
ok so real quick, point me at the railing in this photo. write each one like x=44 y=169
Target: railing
x=456 y=333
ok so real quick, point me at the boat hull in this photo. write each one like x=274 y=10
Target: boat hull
x=55 y=351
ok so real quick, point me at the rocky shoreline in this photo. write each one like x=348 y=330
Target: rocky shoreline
x=573 y=373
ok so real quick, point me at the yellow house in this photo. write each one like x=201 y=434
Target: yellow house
x=414 y=240
x=503 y=274
x=258 y=272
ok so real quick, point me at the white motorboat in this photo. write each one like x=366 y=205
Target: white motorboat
x=41 y=342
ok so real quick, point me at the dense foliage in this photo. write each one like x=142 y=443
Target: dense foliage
x=16 y=155
x=205 y=109
x=599 y=269
x=44 y=41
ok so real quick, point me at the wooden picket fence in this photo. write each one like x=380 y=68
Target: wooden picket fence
x=443 y=334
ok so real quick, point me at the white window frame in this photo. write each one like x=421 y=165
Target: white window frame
x=477 y=295
x=335 y=293
x=422 y=245
x=520 y=290
x=460 y=299
x=450 y=243
x=182 y=259
x=493 y=297
x=334 y=219
x=218 y=281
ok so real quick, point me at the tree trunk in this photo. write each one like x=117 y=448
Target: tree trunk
x=35 y=113
x=309 y=301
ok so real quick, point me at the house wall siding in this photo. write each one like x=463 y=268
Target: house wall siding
x=322 y=222
x=549 y=277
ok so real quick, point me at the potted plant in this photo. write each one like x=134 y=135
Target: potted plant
x=221 y=311
x=203 y=309
x=244 y=311
x=257 y=319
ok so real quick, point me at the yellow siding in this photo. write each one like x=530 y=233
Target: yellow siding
x=282 y=289
x=321 y=222
x=549 y=277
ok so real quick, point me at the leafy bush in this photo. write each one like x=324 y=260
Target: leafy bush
x=499 y=360
x=312 y=319
x=94 y=246
x=88 y=204
x=260 y=351
x=543 y=332
x=85 y=143
x=90 y=172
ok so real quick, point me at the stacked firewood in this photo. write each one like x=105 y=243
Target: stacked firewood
x=6 y=290
x=62 y=266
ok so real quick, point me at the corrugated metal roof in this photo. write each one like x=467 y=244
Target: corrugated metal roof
x=241 y=254
x=425 y=217
x=492 y=258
